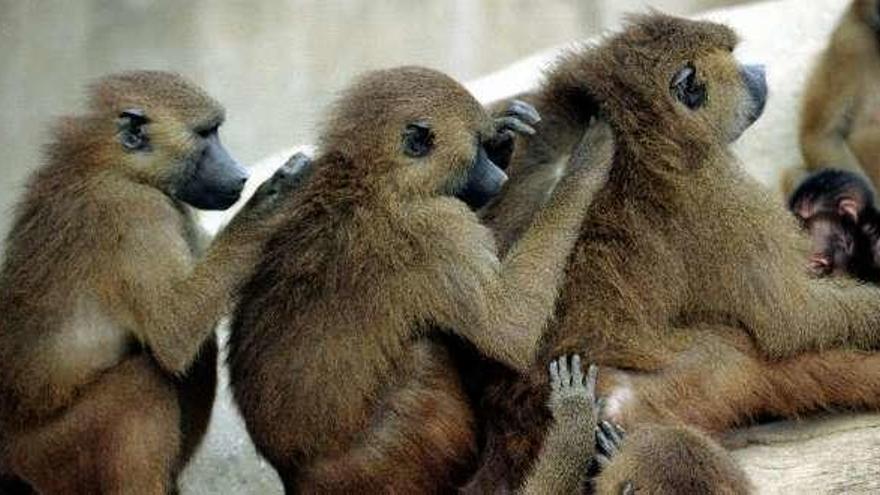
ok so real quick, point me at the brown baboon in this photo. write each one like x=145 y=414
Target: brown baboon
x=333 y=357
x=107 y=312
x=688 y=275
x=840 y=120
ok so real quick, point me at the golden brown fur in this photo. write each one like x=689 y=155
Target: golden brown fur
x=333 y=361
x=687 y=273
x=107 y=308
x=840 y=119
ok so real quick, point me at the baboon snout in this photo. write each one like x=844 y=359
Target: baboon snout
x=755 y=78
x=484 y=181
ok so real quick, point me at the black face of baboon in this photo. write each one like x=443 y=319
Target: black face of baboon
x=177 y=125
x=424 y=133
x=833 y=241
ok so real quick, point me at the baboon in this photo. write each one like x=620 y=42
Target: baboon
x=107 y=306
x=837 y=208
x=840 y=118
x=687 y=281
x=334 y=355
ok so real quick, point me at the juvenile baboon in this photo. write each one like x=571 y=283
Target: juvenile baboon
x=840 y=119
x=836 y=208
x=687 y=275
x=107 y=307
x=333 y=359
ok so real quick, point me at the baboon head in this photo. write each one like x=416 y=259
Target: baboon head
x=673 y=77
x=417 y=132
x=160 y=130
x=832 y=191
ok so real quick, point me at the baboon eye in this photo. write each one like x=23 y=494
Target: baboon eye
x=209 y=131
x=132 y=135
x=418 y=140
x=687 y=89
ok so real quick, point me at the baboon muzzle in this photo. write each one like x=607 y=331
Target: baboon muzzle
x=755 y=78
x=484 y=181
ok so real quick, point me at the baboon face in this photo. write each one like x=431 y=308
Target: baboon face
x=421 y=132
x=833 y=243
x=166 y=132
x=680 y=75
x=726 y=96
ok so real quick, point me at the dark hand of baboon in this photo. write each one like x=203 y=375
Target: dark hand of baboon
x=570 y=445
x=287 y=179
x=517 y=118
x=609 y=439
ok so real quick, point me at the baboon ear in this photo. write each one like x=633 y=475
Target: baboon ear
x=687 y=89
x=418 y=139
x=849 y=206
x=130 y=125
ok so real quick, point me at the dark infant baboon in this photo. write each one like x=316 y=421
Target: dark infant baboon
x=334 y=359
x=107 y=304
x=836 y=208
x=688 y=276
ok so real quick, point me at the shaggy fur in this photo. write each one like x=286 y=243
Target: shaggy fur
x=688 y=275
x=107 y=314
x=334 y=358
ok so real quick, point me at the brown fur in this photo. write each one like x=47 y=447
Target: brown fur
x=684 y=262
x=840 y=119
x=332 y=362
x=107 y=351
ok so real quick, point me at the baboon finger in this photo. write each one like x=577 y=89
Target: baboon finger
x=515 y=125
x=577 y=374
x=555 y=380
x=524 y=111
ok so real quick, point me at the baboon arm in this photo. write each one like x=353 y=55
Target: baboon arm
x=563 y=462
x=517 y=295
x=826 y=121
x=827 y=314
x=168 y=301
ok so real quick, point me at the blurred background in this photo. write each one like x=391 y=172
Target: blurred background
x=275 y=64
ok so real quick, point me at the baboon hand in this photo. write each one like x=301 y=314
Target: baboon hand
x=595 y=147
x=288 y=178
x=520 y=117
x=571 y=392
x=609 y=438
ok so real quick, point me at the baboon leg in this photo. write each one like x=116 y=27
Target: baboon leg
x=424 y=442
x=122 y=436
x=720 y=382
x=196 y=392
